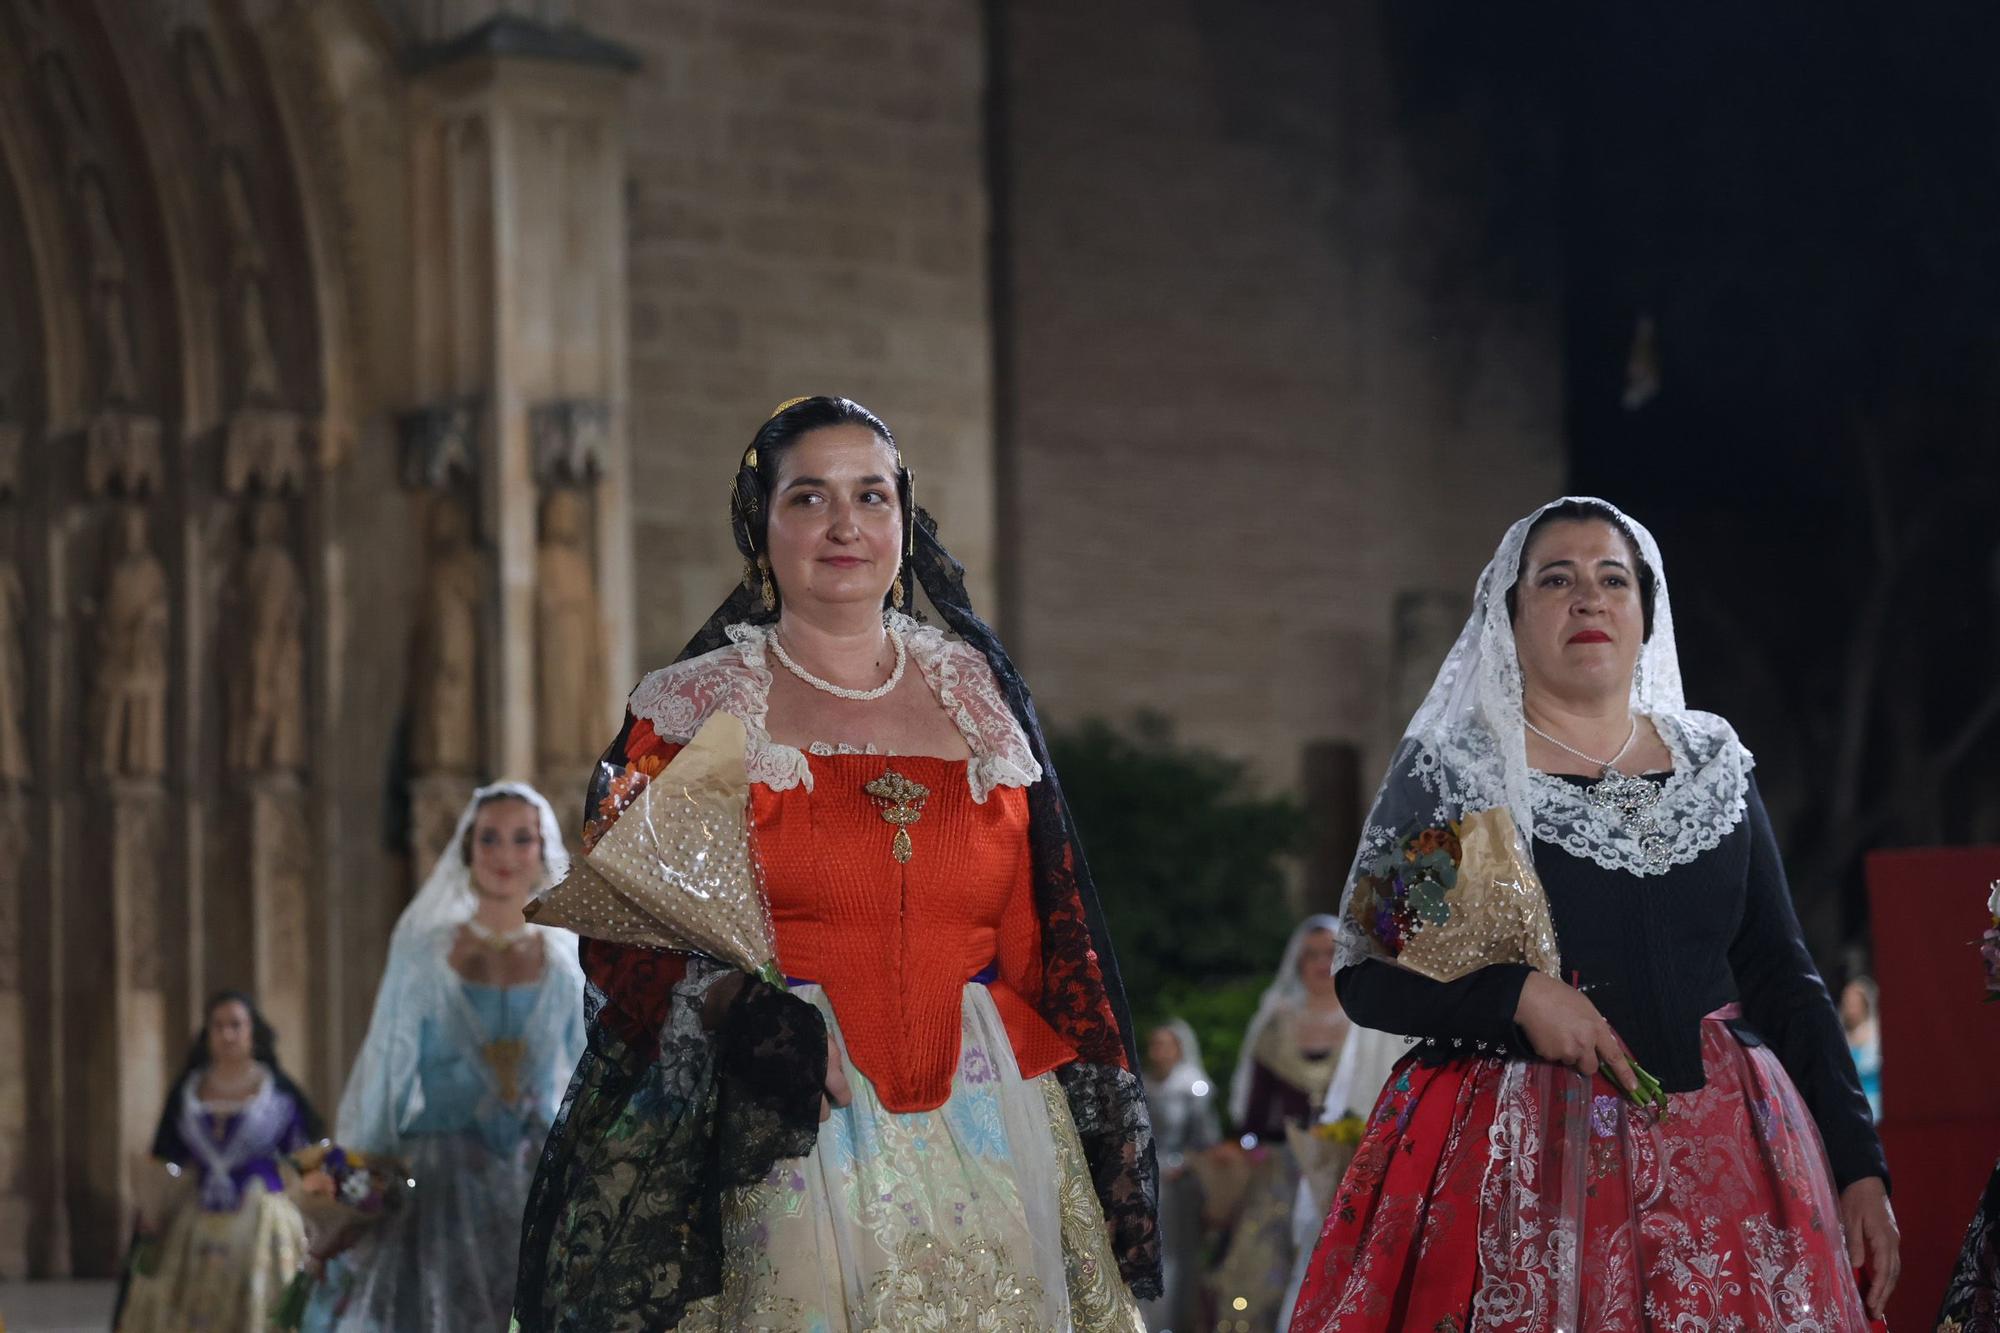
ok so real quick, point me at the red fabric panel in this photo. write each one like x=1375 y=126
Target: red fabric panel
x=892 y=943
x=1940 y=1051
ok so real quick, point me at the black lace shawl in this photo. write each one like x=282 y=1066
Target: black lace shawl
x=623 y=1226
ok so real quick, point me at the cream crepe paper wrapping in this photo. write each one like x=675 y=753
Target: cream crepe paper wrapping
x=676 y=871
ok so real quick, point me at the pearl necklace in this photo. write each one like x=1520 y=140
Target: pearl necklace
x=499 y=941
x=841 y=691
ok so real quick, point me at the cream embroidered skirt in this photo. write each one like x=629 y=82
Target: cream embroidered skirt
x=219 y=1272
x=978 y=1215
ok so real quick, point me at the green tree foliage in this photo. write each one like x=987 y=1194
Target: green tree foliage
x=1189 y=859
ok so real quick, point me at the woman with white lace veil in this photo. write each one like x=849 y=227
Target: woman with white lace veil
x=1505 y=1181
x=1182 y=1097
x=937 y=1119
x=477 y=1027
x=1287 y=1059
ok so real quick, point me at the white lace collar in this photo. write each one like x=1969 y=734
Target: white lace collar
x=677 y=699
x=1701 y=802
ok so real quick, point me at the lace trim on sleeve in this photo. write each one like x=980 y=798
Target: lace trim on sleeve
x=963 y=682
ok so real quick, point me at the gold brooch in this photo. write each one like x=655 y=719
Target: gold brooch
x=902 y=803
x=505 y=1057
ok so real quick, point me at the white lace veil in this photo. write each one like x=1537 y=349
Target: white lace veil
x=1189 y=1068
x=1466 y=748
x=1286 y=991
x=383 y=1092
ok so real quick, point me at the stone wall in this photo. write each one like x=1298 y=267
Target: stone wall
x=1263 y=371
x=808 y=215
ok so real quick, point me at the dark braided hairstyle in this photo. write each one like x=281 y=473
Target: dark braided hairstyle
x=757 y=479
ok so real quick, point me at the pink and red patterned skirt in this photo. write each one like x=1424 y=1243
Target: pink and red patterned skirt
x=1517 y=1197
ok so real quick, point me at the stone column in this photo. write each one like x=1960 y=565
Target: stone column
x=1333 y=798
x=280 y=861
x=435 y=802
x=115 y=1050
x=15 y=1148
x=519 y=167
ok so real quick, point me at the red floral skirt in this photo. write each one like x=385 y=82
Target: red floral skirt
x=1517 y=1196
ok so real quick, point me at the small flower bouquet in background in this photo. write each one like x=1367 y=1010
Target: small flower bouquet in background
x=340 y=1193
x=1323 y=1153
x=1989 y=943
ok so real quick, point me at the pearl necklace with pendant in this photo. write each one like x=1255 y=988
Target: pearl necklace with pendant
x=841 y=691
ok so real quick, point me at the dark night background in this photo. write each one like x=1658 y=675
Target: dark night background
x=1803 y=199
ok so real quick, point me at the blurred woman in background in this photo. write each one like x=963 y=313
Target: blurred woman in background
x=477 y=1027
x=1288 y=1057
x=224 y=1255
x=1184 y=1124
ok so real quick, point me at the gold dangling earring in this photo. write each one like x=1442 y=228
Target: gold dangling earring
x=766 y=590
x=896 y=594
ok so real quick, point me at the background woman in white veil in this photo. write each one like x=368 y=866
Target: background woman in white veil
x=1183 y=1100
x=1506 y=1181
x=477 y=1027
x=1287 y=1059
x=1367 y=1058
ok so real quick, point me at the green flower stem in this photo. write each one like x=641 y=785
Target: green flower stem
x=291 y=1311
x=1648 y=1092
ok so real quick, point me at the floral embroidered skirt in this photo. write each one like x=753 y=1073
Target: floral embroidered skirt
x=979 y=1214
x=1516 y=1196
x=219 y=1272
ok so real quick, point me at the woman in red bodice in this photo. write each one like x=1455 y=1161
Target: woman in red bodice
x=937 y=1119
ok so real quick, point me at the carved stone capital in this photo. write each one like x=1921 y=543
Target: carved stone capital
x=263 y=447
x=439 y=441
x=122 y=453
x=571 y=436
x=444 y=32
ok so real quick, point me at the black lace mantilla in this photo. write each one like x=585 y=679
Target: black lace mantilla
x=623 y=1229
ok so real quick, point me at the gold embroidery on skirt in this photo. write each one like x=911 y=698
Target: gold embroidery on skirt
x=1099 y=1300
x=935 y=1285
